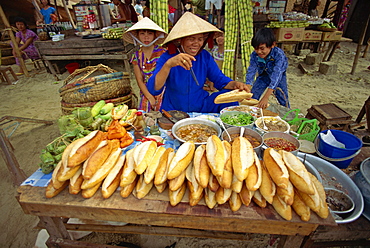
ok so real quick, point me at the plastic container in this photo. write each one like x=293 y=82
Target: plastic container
x=340 y=157
x=71 y=67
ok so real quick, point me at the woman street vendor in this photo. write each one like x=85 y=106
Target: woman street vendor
x=184 y=68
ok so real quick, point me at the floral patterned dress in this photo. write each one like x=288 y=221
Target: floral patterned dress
x=147 y=67
x=31 y=51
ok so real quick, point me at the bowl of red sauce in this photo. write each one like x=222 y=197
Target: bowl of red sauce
x=281 y=141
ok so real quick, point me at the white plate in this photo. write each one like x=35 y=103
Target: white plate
x=332 y=176
x=254 y=111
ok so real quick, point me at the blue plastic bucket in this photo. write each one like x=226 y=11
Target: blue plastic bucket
x=340 y=157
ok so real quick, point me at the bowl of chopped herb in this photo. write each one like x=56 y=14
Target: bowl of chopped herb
x=237 y=119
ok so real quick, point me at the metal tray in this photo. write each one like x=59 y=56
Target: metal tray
x=333 y=177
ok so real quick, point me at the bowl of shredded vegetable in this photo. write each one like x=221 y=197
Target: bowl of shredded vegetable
x=237 y=119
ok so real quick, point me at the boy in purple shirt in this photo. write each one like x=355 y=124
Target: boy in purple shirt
x=271 y=64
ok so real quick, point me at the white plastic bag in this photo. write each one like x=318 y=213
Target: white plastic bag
x=329 y=138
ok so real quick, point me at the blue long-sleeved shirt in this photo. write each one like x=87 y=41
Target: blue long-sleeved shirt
x=275 y=66
x=181 y=91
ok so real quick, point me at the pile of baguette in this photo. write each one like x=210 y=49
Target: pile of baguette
x=217 y=172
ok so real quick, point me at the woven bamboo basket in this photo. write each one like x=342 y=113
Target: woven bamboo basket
x=130 y=100
x=82 y=87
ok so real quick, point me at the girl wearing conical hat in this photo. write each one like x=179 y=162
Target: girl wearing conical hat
x=184 y=68
x=148 y=35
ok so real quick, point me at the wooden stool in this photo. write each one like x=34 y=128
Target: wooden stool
x=37 y=65
x=4 y=76
x=329 y=115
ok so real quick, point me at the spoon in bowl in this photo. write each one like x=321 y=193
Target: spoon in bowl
x=241 y=131
x=223 y=126
x=263 y=120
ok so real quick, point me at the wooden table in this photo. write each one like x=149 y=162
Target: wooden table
x=76 y=48
x=159 y=213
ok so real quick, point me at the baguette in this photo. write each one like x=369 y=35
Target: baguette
x=175 y=184
x=242 y=157
x=323 y=211
x=90 y=192
x=181 y=160
x=227 y=176
x=210 y=198
x=232 y=96
x=143 y=154
x=142 y=188
x=254 y=178
x=259 y=199
x=246 y=195
x=161 y=187
x=196 y=191
x=235 y=201
x=112 y=181
x=177 y=195
x=312 y=201
x=56 y=183
x=51 y=191
x=213 y=183
x=250 y=102
x=223 y=195
x=75 y=182
x=104 y=170
x=287 y=195
x=276 y=167
x=128 y=174
x=298 y=173
x=65 y=173
x=153 y=165
x=97 y=158
x=267 y=188
x=236 y=185
x=283 y=209
x=201 y=168
x=162 y=170
x=84 y=147
x=300 y=207
x=127 y=190
x=215 y=155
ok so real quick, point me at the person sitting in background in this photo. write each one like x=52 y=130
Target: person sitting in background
x=200 y=8
x=270 y=62
x=48 y=13
x=146 y=9
x=126 y=12
x=148 y=35
x=184 y=68
x=312 y=8
x=24 y=40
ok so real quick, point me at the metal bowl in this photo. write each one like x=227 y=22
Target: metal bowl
x=233 y=113
x=259 y=125
x=189 y=121
x=282 y=135
x=247 y=131
x=338 y=201
x=333 y=177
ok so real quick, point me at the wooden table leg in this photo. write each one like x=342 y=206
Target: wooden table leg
x=17 y=174
x=55 y=227
x=290 y=241
x=336 y=44
x=51 y=68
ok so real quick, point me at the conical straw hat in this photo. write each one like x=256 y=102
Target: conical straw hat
x=144 y=23
x=190 y=24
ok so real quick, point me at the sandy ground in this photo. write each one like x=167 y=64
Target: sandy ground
x=37 y=97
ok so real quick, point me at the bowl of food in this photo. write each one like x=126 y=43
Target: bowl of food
x=253 y=137
x=237 y=119
x=338 y=201
x=281 y=141
x=195 y=129
x=273 y=124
